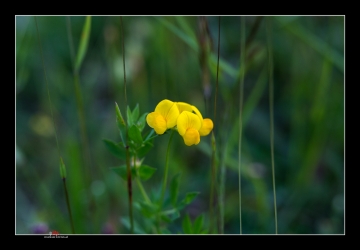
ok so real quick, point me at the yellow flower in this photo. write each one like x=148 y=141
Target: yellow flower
x=206 y=124
x=164 y=117
x=191 y=126
x=188 y=125
x=206 y=127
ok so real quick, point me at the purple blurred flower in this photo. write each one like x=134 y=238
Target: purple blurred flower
x=108 y=228
x=40 y=228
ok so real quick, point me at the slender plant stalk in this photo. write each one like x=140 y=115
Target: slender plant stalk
x=271 y=105
x=242 y=76
x=80 y=107
x=222 y=190
x=213 y=142
x=47 y=86
x=166 y=169
x=213 y=181
x=142 y=190
x=86 y=154
x=71 y=42
x=217 y=73
x=127 y=137
x=164 y=183
x=68 y=206
x=52 y=115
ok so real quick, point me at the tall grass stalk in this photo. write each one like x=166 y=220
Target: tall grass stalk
x=213 y=187
x=222 y=190
x=129 y=186
x=242 y=76
x=271 y=105
x=63 y=176
x=53 y=119
x=76 y=63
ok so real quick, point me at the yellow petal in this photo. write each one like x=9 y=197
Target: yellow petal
x=169 y=111
x=207 y=126
x=191 y=137
x=157 y=122
x=183 y=106
x=172 y=116
x=187 y=120
x=197 y=112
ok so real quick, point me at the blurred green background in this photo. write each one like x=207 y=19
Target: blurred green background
x=174 y=57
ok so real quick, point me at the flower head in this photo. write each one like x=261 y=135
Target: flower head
x=188 y=125
x=164 y=117
x=188 y=119
x=191 y=125
x=206 y=124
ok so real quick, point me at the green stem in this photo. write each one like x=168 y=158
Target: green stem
x=129 y=189
x=47 y=85
x=222 y=190
x=271 y=104
x=242 y=76
x=166 y=169
x=212 y=185
x=127 y=146
x=164 y=184
x=68 y=206
x=142 y=190
x=213 y=156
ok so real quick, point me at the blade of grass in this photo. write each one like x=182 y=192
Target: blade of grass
x=314 y=42
x=271 y=105
x=129 y=186
x=84 y=41
x=193 y=44
x=56 y=138
x=213 y=143
x=222 y=189
x=86 y=154
x=242 y=76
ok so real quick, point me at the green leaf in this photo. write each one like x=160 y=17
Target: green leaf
x=141 y=122
x=173 y=216
x=135 y=134
x=170 y=217
x=122 y=171
x=174 y=189
x=135 y=113
x=141 y=152
x=125 y=221
x=188 y=199
x=129 y=117
x=115 y=149
x=148 y=210
x=84 y=41
x=198 y=224
x=120 y=123
x=145 y=172
x=186 y=225
x=165 y=218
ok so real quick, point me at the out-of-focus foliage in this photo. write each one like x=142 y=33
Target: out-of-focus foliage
x=175 y=58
